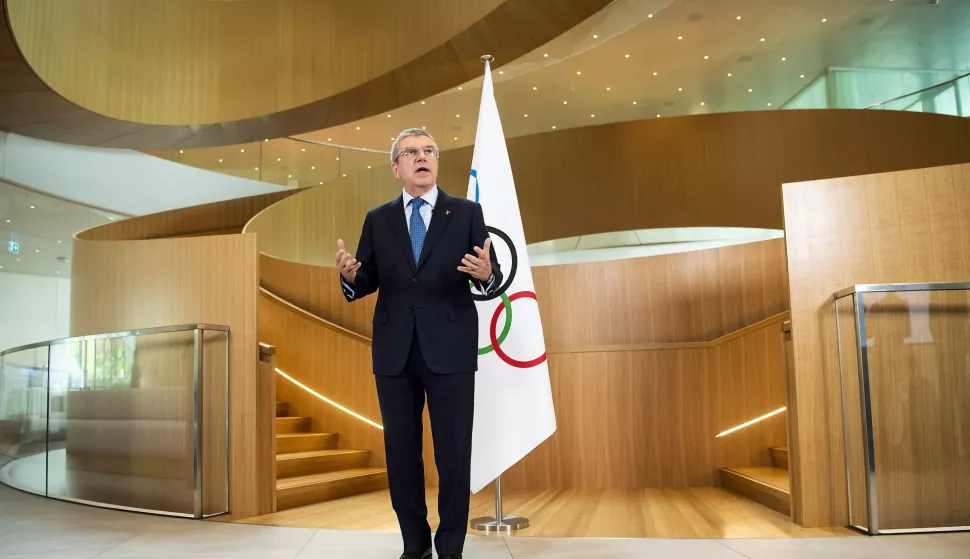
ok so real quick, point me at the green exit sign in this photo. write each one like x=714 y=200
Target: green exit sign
x=14 y=247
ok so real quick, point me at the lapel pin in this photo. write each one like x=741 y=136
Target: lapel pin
x=447 y=212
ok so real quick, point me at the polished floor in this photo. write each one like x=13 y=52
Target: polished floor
x=33 y=527
x=701 y=512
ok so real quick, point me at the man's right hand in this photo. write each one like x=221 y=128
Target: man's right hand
x=346 y=263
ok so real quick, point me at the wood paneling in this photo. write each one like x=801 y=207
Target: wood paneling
x=28 y=106
x=909 y=226
x=687 y=297
x=700 y=512
x=266 y=412
x=722 y=170
x=123 y=285
x=218 y=218
x=187 y=62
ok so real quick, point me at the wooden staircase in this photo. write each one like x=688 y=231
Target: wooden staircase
x=310 y=468
x=766 y=485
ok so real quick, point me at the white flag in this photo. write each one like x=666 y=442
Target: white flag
x=513 y=398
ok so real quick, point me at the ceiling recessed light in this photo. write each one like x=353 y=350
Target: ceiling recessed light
x=338 y=159
x=37 y=250
x=553 y=126
x=706 y=57
x=750 y=90
x=626 y=56
x=392 y=139
x=329 y=139
x=58 y=242
x=289 y=176
x=729 y=74
x=702 y=103
x=824 y=20
x=634 y=102
x=680 y=38
x=783 y=59
x=279 y=159
x=58 y=273
x=368 y=166
x=388 y=116
x=649 y=15
x=35 y=207
x=255 y=168
x=762 y=39
x=345 y=175
x=422 y=102
x=358 y=128
x=658 y=116
x=501 y=72
x=596 y=36
x=680 y=89
x=457 y=116
x=769 y=104
x=181 y=151
x=802 y=76
x=579 y=73
x=266 y=139
x=321 y=182
x=739 y=17
x=592 y=116
x=545 y=56
x=607 y=89
x=655 y=73
x=456 y=138
x=313 y=167
x=304 y=149
x=220 y=161
x=459 y=88
x=565 y=102
x=424 y=128
x=242 y=150
x=525 y=115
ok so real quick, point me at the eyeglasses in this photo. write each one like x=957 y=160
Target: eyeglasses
x=411 y=153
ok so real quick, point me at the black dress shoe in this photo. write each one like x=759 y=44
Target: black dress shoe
x=426 y=554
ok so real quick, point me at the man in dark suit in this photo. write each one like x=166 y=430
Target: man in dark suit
x=420 y=250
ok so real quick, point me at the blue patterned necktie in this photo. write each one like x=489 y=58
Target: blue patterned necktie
x=418 y=229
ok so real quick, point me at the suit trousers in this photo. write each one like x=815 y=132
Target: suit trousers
x=451 y=401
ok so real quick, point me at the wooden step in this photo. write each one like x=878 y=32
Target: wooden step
x=304 y=442
x=779 y=457
x=305 y=490
x=768 y=486
x=282 y=409
x=320 y=461
x=286 y=425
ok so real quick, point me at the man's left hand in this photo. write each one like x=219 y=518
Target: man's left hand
x=478 y=267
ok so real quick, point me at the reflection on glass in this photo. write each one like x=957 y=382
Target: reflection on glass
x=24 y=420
x=917 y=356
x=123 y=413
x=855 y=443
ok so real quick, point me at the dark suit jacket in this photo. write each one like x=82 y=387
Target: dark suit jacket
x=431 y=298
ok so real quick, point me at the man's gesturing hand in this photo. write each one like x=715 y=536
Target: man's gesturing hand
x=346 y=263
x=479 y=267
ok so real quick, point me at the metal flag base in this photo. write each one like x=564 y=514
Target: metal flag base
x=489 y=525
x=492 y=524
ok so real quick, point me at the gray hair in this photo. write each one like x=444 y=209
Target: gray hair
x=396 y=146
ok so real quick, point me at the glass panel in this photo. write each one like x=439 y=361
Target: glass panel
x=215 y=378
x=919 y=369
x=23 y=420
x=129 y=436
x=855 y=442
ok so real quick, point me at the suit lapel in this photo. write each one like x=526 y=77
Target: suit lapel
x=399 y=226
x=439 y=221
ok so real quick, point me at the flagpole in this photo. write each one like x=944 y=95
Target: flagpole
x=498 y=524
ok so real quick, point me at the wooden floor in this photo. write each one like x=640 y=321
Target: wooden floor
x=705 y=512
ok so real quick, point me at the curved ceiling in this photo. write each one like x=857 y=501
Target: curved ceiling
x=708 y=56
x=32 y=107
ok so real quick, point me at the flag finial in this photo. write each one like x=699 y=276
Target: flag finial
x=487 y=58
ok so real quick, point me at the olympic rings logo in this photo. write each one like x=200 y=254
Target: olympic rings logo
x=495 y=338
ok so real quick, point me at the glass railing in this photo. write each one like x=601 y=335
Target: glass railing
x=948 y=98
x=288 y=162
x=134 y=420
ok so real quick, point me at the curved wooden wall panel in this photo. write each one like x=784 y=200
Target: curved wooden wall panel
x=123 y=285
x=30 y=107
x=687 y=297
x=705 y=170
x=217 y=218
x=186 y=62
